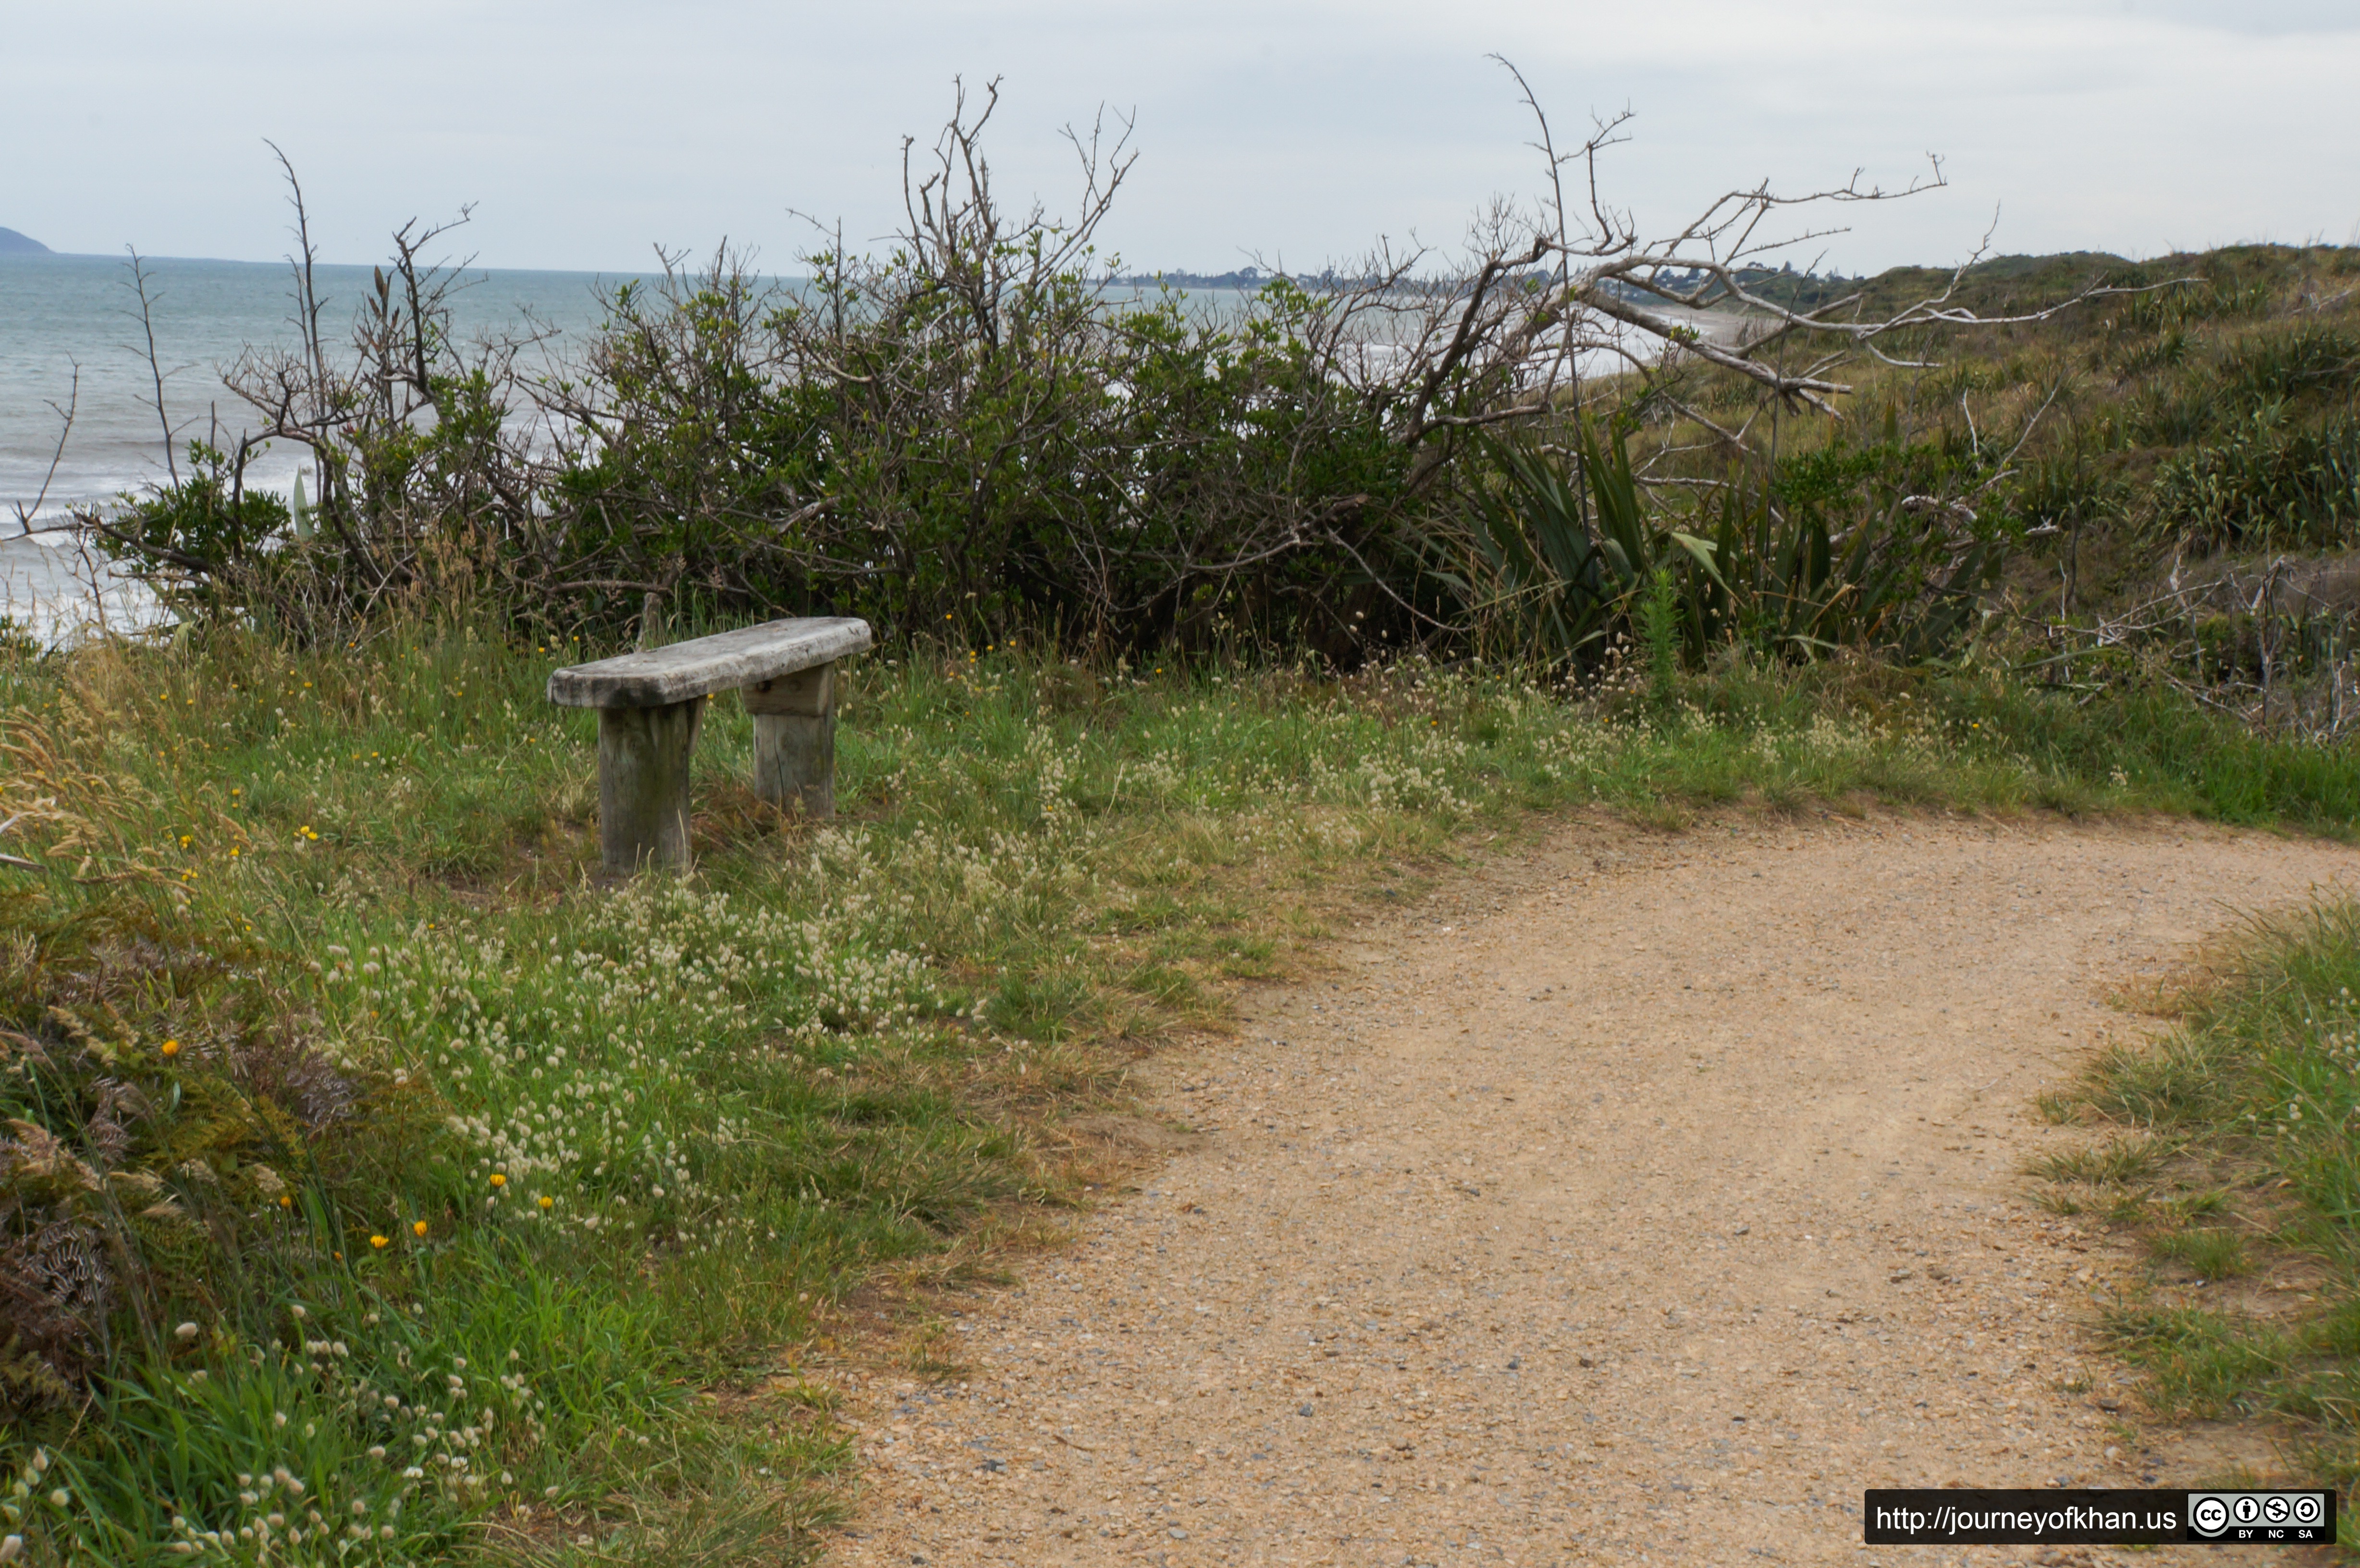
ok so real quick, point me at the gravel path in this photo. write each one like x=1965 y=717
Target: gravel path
x=1641 y=1201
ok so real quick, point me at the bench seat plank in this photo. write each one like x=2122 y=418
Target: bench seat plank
x=662 y=676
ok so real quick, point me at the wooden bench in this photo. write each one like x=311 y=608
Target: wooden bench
x=650 y=707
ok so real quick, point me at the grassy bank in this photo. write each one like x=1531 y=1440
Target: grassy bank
x=2174 y=473
x=2233 y=1160
x=381 y=1188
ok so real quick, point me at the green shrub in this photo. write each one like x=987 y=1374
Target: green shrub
x=2266 y=481
x=2183 y=304
x=2275 y=366
x=202 y=528
x=2167 y=351
x=1559 y=558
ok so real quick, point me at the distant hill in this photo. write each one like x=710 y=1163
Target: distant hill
x=14 y=244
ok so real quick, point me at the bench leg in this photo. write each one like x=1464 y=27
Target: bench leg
x=643 y=785
x=794 y=740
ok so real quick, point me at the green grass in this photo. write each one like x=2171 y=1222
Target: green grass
x=2116 y=1159
x=2200 y=1364
x=2208 y=1254
x=2255 y=1096
x=412 y=1161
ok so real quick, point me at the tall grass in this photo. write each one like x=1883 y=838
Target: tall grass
x=2251 y=1169
x=372 y=1162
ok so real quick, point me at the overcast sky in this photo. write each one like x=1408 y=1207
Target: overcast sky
x=585 y=133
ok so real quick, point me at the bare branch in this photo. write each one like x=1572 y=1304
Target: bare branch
x=155 y=366
x=27 y=513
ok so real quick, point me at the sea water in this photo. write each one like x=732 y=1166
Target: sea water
x=72 y=342
x=69 y=317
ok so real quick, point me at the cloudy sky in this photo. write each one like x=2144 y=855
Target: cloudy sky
x=588 y=132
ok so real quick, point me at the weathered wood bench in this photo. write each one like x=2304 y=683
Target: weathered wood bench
x=651 y=705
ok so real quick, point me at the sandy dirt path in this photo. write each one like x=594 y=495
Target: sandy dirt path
x=1644 y=1201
